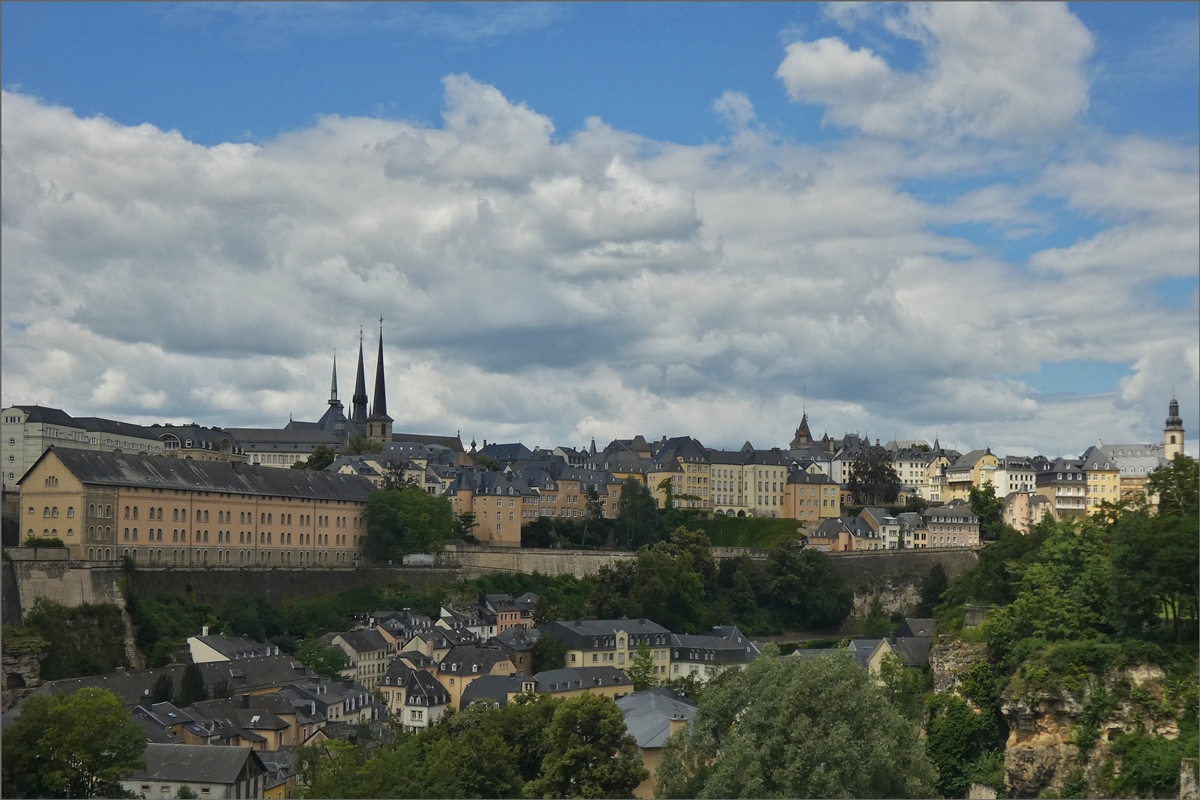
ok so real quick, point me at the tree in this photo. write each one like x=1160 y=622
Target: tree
x=989 y=509
x=873 y=480
x=393 y=476
x=589 y=752
x=933 y=586
x=191 y=687
x=549 y=652
x=1177 y=487
x=487 y=462
x=322 y=659
x=187 y=792
x=465 y=524
x=79 y=745
x=406 y=520
x=638 y=522
x=642 y=670
x=358 y=445
x=905 y=687
x=796 y=727
x=164 y=689
x=804 y=589
x=320 y=458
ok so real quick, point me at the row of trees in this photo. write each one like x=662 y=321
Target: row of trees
x=536 y=746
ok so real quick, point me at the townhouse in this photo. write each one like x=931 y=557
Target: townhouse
x=704 y=657
x=414 y=698
x=367 y=653
x=597 y=643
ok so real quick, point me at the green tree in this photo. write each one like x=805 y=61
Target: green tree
x=953 y=741
x=638 y=522
x=642 y=670
x=933 y=586
x=358 y=445
x=1177 y=487
x=487 y=462
x=191 y=687
x=873 y=480
x=549 y=652
x=804 y=589
x=320 y=458
x=322 y=659
x=741 y=599
x=989 y=509
x=84 y=640
x=465 y=524
x=589 y=752
x=407 y=520
x=789 y=727
x=905 y=687
x=79 y=745
x=164 y=689
x=187 y=792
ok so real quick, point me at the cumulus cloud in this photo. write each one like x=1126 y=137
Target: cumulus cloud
x=555 y=286
x=990 y=71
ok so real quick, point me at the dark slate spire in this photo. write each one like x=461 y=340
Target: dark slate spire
x=358 y=403
x=1174 y=421
x=379 y=401
x=333 y=385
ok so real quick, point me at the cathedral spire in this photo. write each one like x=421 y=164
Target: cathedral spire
x=379 y=401
x=358 y=403
x=333 y=384
x=379 y=424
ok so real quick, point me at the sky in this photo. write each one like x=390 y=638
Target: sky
x=967 y=221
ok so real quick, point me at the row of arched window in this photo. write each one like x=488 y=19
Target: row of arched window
x=52 y=511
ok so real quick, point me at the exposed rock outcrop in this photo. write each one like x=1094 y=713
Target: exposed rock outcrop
x=1043 y=751
x=20 y=665
x=951 y=659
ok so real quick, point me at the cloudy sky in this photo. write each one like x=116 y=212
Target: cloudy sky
x=970 y=221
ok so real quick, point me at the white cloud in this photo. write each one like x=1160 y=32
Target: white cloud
x=991 y=71
x=554 y=287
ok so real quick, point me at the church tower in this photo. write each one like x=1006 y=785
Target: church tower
x=335 y=417
x=379 y=424
x=1173 y=434
x=358 y=403
x=803 y=434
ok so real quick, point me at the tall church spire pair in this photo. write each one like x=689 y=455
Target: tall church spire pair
x=376 y=421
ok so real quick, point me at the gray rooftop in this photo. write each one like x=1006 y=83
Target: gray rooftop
x=194 y=763
x=166 y=472
x=648 y=715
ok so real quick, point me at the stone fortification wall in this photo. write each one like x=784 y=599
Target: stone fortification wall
x=857 y=569
x=216 y=586
x=66 y=582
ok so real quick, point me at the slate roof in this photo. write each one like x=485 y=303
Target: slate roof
x=194 y=763
x=916 y=626
x=49 y=416
x=570 y=679
x=969 y=460
x=648 y=715
x=453 y=443
x=494 y=688
x=294 y=438
x=166 y=472
x=505 y=453
x=134 y=685
x=117 y=428
x=913 y=651
x=365 y=641
x=420 y=685
x=238 y=647
x=800 y=476
x=471 y=659
x=727 y=644
x=583 y=634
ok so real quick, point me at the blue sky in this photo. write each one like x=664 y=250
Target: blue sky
x=1039 y=209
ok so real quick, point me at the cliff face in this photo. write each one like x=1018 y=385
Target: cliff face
x=21 y=665
x=1046 y=728
x=951 y=659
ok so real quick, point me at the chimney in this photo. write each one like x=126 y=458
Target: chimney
x=204 y=630
x=245 y=701
x=678 y=723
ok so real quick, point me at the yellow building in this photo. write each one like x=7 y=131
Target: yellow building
x=469 y=662
x=970 y=470
x=162 y=511
x=611 y=643
x=1103 y=479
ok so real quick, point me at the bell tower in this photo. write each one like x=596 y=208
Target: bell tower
x=1173 y=433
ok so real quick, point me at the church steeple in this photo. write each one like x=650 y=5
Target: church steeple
x=333 y=384
x=379 y=424
x=358 y=403
x=1173 y=434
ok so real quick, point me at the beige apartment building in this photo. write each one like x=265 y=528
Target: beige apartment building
x=164 y=511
